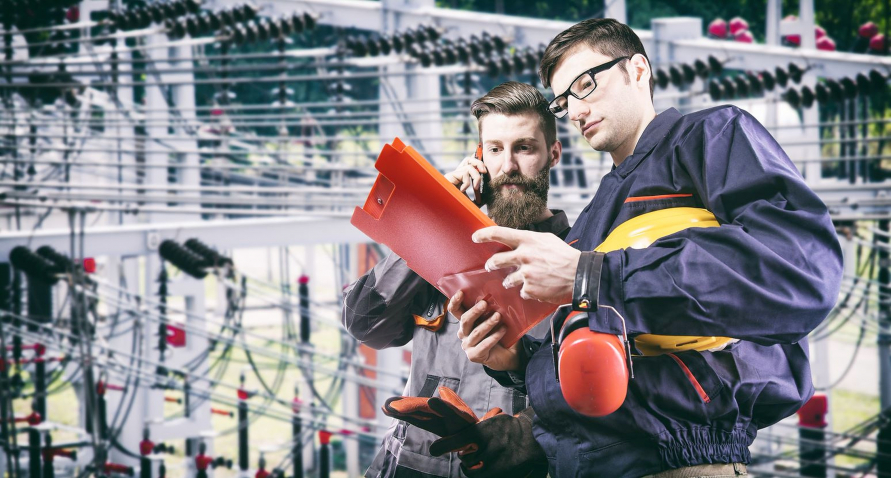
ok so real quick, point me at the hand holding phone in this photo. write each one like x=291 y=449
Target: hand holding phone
x=471 y=174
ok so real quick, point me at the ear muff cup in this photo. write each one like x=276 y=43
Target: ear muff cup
x=592 y=368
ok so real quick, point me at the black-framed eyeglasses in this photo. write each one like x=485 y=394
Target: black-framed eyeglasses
x=581 y=87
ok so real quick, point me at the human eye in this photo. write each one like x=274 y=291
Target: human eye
x=584 y=84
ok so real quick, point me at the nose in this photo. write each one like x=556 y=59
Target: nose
x=577 y=108
x=510 y=163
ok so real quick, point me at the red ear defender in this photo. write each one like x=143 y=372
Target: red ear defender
x=593 y=368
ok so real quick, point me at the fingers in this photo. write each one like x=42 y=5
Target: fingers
x=482 y=352
x=509 y=237
x=513 y=279
x=478 y=333
x=504 y=260
x=454 y=306
x=470 y=317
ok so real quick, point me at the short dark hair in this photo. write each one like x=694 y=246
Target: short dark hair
x=603 y=35
x=515 y=98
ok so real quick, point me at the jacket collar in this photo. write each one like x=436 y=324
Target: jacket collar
x=652 y=135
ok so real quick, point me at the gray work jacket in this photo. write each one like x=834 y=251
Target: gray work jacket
x=391 y=305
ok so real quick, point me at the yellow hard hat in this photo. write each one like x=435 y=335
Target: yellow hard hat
x=638 y=233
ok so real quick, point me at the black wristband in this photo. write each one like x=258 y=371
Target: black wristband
x=586 y=288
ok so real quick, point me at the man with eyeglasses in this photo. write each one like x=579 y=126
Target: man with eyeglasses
x=766 y=277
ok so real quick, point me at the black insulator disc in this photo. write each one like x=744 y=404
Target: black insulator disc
x=715 y=90
x=782 y=77
x=849 y=88
x=662 y=78
x=768 y=79
x=807 y=97
x=309 y=21
x=793 y=98
x=795 y=72
x=675 y=75
x=743 y=88
x=715 y=65
x=729 y=87
x=374 y=48
x=821 y=92
x=836 y=93
x=386 y=45
x=701 y=68
x=863 y=83
x=689 y=73
x=285 y=26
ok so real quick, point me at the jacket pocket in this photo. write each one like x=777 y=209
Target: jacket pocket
x=705 y=392
x=433 y=382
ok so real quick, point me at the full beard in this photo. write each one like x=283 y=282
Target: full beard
x=517 y=208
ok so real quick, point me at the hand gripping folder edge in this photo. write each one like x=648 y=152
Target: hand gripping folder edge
x=419 y=215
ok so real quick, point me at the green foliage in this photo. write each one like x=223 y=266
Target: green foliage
x=840 y=18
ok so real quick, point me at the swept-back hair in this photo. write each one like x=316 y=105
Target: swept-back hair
x=603 y=35
x=515 y=98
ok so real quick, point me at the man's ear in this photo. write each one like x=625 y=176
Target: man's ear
x=556 y=153
x=640 y=70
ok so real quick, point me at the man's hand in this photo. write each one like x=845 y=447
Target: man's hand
x=469 y=173
x=545 y=265
x=480 y=340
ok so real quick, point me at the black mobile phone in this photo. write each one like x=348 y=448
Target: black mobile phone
x=478 y=195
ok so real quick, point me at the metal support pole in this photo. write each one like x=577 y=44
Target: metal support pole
x=303 y=294
x=883 y=442
x=296 y=432
x=34 y=453
x=40 y=387
x=243 y=436
x=40 y=302
x=324 y=454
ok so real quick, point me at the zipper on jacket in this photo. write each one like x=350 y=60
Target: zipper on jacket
x=704 y=396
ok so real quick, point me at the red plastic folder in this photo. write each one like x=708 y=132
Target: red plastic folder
x=427 y=221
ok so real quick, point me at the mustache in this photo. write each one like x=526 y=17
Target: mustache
x=515 y=177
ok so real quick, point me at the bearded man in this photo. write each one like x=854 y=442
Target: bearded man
x=391 y=305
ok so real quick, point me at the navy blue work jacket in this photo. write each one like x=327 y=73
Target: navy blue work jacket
x=768 y=276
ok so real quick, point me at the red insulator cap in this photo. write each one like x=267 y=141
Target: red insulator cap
x=813 y=413
x=146 y=447
x=877 y=42
x=868 y=30
x=744 y=36
x=718 y=28
x=737 y=24
x=325 y=437
x=794 y=39
x=826 y=44
x=304 y=279
x=73 y=14
x=39 y=349
x=34 y=419
x=819 y=32
x=89 y=265
x=243 y=394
